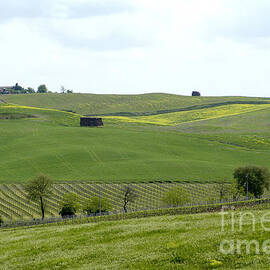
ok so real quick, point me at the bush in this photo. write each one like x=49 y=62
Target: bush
x=175 y=197
x=252 y=179
x=93 y=206
x=69 y=205
x=42 y=89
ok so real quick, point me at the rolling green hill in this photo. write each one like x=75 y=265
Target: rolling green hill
x=190 y=242
x=52 y=142
x=123 y=104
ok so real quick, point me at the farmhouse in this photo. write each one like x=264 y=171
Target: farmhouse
x=91 y=122
x=5 y=89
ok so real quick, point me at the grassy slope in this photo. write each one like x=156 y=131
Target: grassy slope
x=168 y=242
x=191 y=116
x=101 y=104
x=55 y=144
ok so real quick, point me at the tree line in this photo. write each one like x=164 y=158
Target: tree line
x=17 y=89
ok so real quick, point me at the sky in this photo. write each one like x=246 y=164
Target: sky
x=218 y=47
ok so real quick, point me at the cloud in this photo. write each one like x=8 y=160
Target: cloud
x=25 y=9
x=82 y=9
x=134 y=46
x=243 y=21
x=14 y=9
x=115 y=41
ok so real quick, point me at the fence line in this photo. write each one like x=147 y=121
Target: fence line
x=147 y=212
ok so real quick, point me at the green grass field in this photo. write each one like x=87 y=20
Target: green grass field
x=197 y=146
x=169 y=242
x=197 y=141
x=111 y=104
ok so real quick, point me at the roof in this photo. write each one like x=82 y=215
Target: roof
x=6 y=87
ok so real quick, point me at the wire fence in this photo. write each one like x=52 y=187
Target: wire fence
x=189 y=208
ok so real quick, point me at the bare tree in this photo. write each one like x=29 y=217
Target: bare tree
x=129 y=195
x=38 y=189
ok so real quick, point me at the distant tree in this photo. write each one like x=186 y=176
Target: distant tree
x=94 y=205
x=30 y=90
x=62 y=90
x=42 y=89
x=39 y=189
x=175 y=197
x=129 y=195
x=69 y=204
x=17 y=87
x=196 y=93
x=254 y=180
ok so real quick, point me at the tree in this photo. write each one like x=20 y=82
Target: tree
x=252 y=179
x=42 y=89
x=96 y=205
x=1 y=220
x=17 y=87
x=129 y=195
x=30 y=90
x=69 y=204
x=39 y=189
x=175 y=197
x=62 y=90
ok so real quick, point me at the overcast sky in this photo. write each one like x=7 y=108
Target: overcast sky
x=220 y=47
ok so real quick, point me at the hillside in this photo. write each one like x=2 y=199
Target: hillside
x=199 y=145
x=121 y=104
x=187 y=242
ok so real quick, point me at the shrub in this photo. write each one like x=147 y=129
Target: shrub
x=69 y=205
x=94 y=205
x=252 y=179
x=175 y=197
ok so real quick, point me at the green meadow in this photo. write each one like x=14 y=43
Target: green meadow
x=168 y=242
x=113 y=104
x=198 y=145
x=145 y=138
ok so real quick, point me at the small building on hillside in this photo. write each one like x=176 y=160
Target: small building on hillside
x=196 y=94
x=5 y=89
x=91 y=122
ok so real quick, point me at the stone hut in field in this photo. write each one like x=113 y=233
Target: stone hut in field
x=91 y=122
x=196 y=94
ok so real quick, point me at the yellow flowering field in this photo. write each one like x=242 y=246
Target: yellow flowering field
x=176 y=118
x=55 y=116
